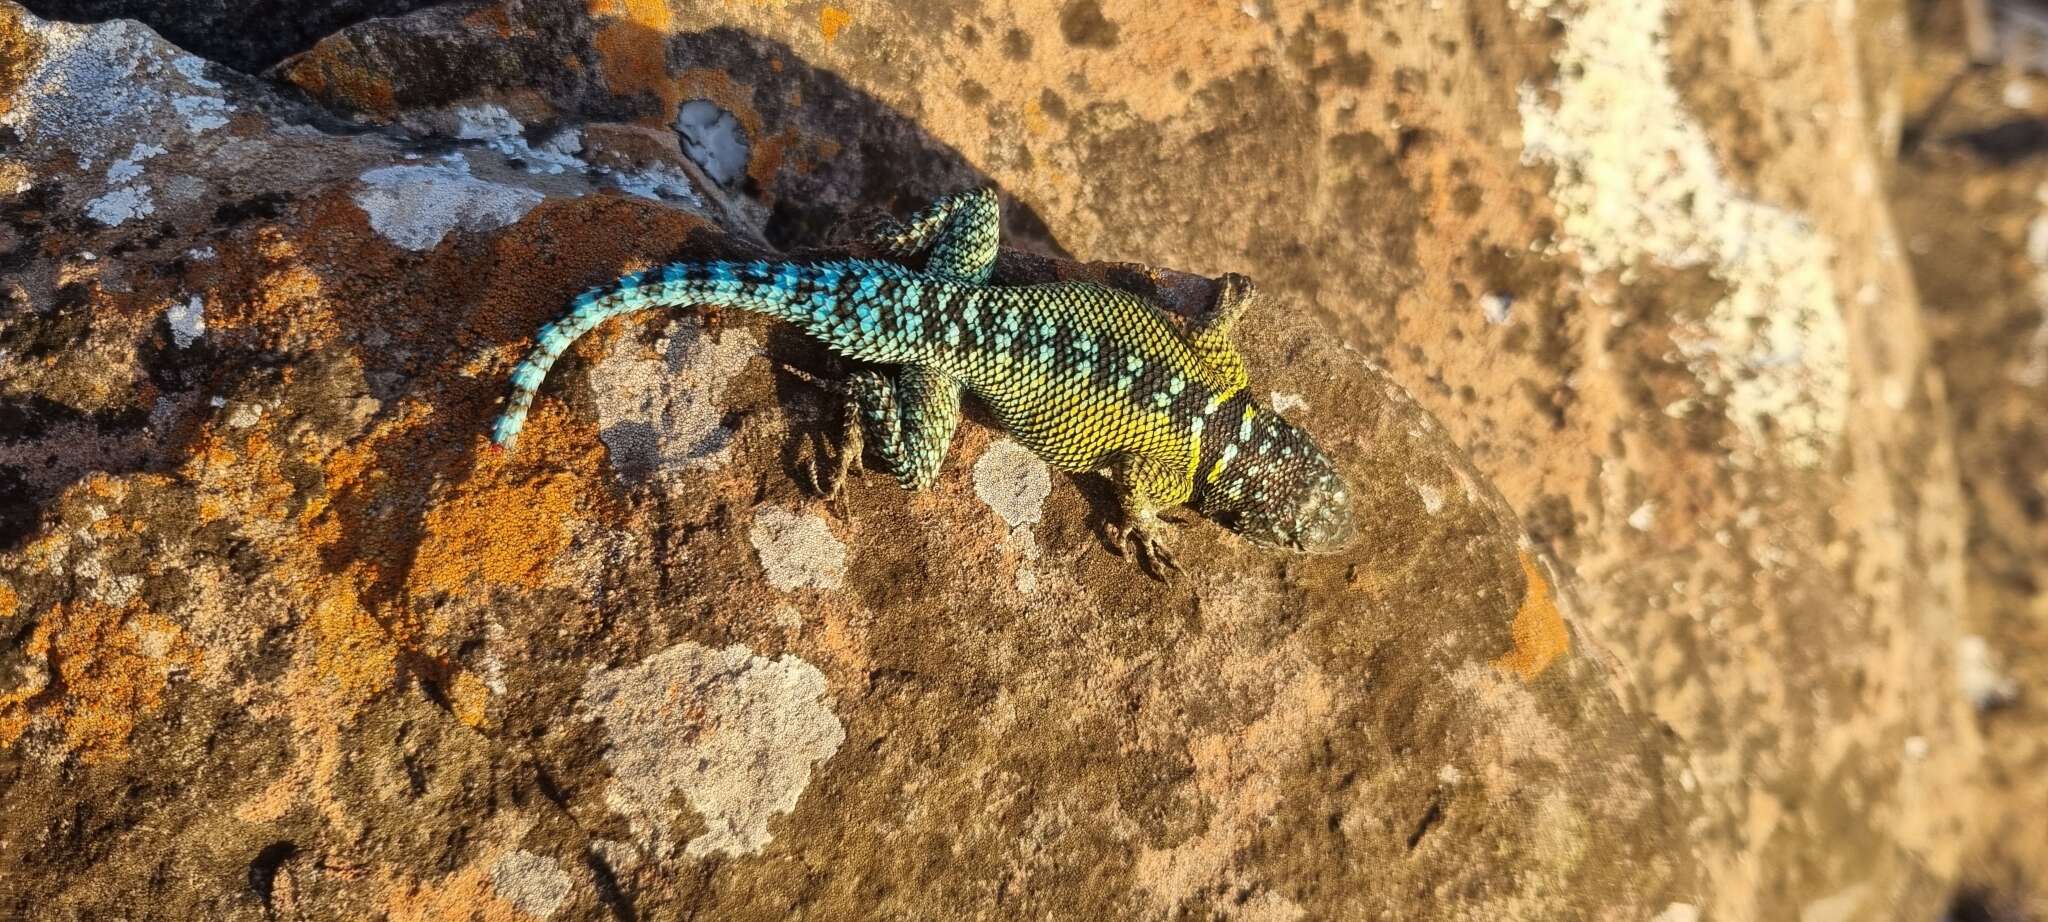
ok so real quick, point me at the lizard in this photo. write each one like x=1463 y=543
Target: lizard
x=1088 y=377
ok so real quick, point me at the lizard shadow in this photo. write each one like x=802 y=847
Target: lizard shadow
x=789 y=152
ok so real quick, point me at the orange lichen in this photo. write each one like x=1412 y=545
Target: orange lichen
x=493 y=17
x=355 y=656
x=464 y=896
x=102 y=669
x=9 y=601
x=470 y=698
x=20 y=50
x=831 y=19
x=653 y=14
x=1538 y=629
x=634 y=59
x=505 y=525
x=336 y=77
x=276 y=293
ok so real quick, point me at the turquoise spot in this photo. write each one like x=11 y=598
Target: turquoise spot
x=1133 y=362
x=1177 y=385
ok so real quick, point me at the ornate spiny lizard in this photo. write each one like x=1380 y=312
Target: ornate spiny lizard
x=1087 y=376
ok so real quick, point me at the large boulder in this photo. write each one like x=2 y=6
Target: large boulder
x=289 y=642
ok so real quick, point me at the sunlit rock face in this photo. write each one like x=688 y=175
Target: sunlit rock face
x=1597 y=310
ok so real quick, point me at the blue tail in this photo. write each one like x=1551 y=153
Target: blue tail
x=824 y=298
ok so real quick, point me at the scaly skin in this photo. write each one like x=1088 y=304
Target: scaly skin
x=1088 y=377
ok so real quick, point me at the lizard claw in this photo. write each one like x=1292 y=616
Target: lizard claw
x=1143 y=543
x=828 y=386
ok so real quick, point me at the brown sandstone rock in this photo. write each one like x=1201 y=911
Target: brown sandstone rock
x=293 y=645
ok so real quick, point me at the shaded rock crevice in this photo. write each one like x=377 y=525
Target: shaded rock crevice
x=247 y=35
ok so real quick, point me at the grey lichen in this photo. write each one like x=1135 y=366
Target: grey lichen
x=736 y=734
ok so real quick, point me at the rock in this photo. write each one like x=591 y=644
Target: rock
x=1976 y=233
x=248 y=35
x=263 y=552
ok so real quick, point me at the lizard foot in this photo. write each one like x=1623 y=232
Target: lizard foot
x=1134 y=539
x=828 y=386
x=849 y=449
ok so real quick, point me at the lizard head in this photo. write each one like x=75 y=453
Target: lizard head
x=1264 y=478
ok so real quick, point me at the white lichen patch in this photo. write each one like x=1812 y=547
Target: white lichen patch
x=1432 y=498
x=1497 y=307
x=187 y=320
x=98 y=86
x=130 y=167
x=735 y=734
x=797 y=549
x=121 y=205
x=1014 y=482
x=658 y=181
x=1979 y=677
x=1288 y=403
x=532 y=884
x=662 y=414
x=499 y=131
x=415 y=206
x=1637 y=182
x=713 y=139
x=127 y=198
x=202 y=113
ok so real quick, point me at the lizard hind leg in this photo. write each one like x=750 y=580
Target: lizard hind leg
x=910 y=420
x=961 y=231
x=907 y=418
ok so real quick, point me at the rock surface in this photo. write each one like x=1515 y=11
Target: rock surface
x=285 y=643
x=1974 y=184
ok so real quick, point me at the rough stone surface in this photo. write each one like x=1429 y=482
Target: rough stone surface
x=1973 y=212
x=1707 y=672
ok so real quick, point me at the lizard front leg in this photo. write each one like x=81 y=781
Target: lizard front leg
x=1144 y=487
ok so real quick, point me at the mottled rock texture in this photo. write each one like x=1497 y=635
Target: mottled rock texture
x=284 y=641
x=1972 y=205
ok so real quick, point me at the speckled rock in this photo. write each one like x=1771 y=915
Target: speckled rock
x=1960 y=190
x=257 y=547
